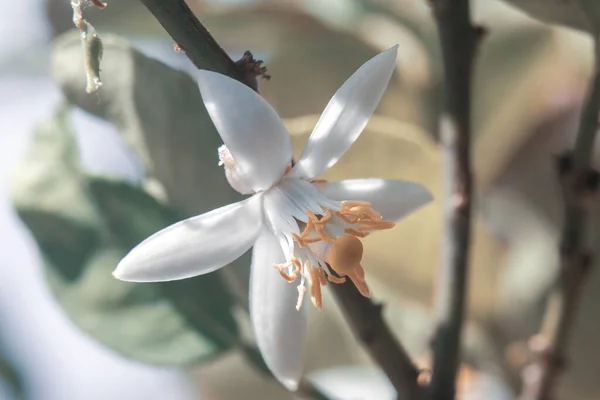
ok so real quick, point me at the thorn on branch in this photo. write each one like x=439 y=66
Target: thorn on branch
x=252 y=67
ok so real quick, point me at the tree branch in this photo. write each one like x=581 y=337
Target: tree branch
x=366 y=320
x=193 y=38
x=458 y=39
x=579 y=183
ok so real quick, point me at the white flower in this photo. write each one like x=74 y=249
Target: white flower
x=296 y=224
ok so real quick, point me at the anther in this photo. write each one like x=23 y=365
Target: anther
x=335 y=279
x=301 y=291
x=315 y=286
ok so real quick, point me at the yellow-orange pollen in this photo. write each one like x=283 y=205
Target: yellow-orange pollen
x=344 y=254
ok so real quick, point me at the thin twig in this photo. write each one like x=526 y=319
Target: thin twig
x=195 y=40
x=579 y=185
x=366 y=320
x=458 y=39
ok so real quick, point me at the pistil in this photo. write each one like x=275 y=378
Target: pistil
x=356 y=219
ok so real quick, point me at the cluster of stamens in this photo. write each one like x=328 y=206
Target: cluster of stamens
x=343 y=254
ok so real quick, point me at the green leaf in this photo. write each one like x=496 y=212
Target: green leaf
x=133 y=319
x=11 y=376
x=84 y=226
x=48 y=192
x=159 y=113
x=132 y=215
x=579 y=14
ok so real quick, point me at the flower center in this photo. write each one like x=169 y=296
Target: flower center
x=331 y=240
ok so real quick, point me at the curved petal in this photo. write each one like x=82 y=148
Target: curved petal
x=346 y=115
x=249 y=127
x=279 y=328
x=391 y=198
x=195 y=246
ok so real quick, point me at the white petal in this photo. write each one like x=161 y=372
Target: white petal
x=249 y=127
x=346 y=115
x=195 y=246
x=392 y=199
x=279 y=328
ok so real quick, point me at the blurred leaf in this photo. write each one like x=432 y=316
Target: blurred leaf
x=9 y=375
x=49 y=195
x=578 y=14
x=84 y=226
x=132 y=215
x=159 y=113
x=513 y=94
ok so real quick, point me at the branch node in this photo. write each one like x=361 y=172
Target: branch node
x=480 y=32
x=252 y=67
x=590 y=180
x=564 y=163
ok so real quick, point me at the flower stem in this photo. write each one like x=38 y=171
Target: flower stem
x=193 y=38
x=579 y=185
x=459 y=38
x=366 y=320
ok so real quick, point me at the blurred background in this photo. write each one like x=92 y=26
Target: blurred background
x=83 y=178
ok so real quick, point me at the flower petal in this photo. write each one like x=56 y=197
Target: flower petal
x=279 y=328
x=391 y=198
x=249 y=127
x=346 y=115
x=195 y=246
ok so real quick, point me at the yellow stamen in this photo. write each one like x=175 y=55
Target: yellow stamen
x=301 y=291
x=316 y=225
x=322 y=278
x=358 y=278
x=350 y=219
x=360 y=213
x=319 y=225
x=314 y=284
x=335 y=279
x=356 y=232
x=282 y=267
x=344 y=254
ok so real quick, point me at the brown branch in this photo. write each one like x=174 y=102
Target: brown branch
x=458 y=39
x=579 y=185
x=197 y=42
x=366 y=320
